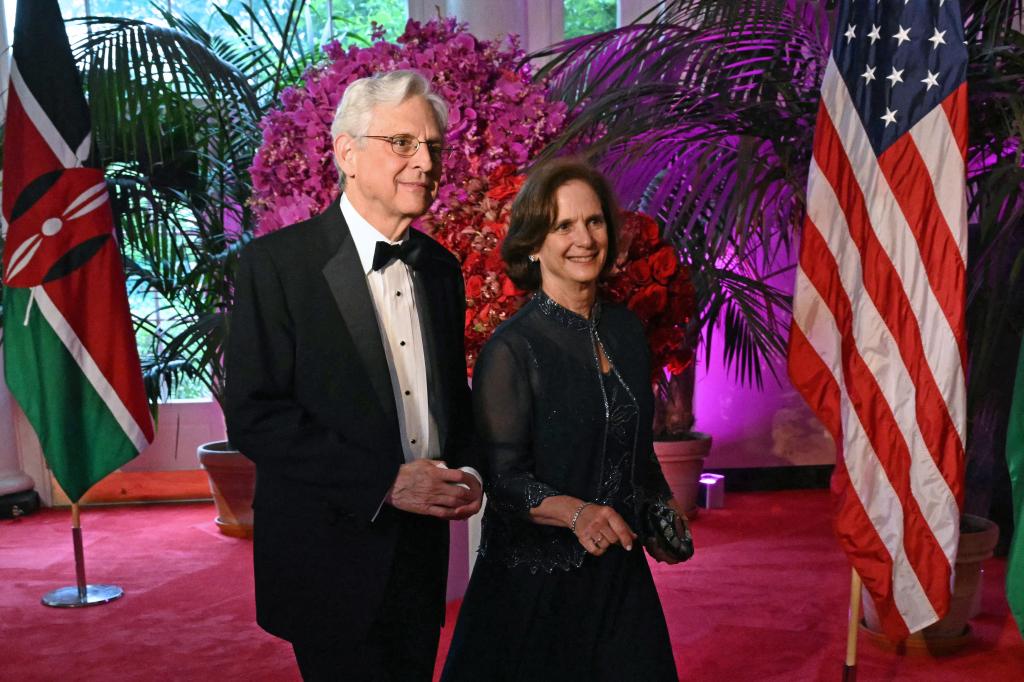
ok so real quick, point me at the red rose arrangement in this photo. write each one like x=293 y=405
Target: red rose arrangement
x=649 y=279
x=647 y=276
x=473 y=230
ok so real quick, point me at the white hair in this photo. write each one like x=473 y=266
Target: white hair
x=355 y=111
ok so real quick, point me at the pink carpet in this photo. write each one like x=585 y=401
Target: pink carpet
x=764 y=599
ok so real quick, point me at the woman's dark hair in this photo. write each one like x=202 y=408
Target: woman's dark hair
x=535 y=210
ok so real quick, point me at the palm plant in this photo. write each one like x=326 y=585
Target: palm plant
x=700 y=117
x=703 y=112
x=175 y=115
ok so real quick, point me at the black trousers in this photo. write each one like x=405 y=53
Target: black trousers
x=401 y=645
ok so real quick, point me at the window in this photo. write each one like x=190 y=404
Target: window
x=320 y=20
x=353 y=18
x=588 y=16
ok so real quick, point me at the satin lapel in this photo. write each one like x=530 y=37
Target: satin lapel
x=345 y=277
x=430 y=305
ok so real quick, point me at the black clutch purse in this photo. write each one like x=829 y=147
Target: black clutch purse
x=659 y=522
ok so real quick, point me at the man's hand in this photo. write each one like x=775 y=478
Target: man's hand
x=428 y=487
x=467 y=510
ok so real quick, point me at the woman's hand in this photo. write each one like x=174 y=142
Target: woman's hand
x=598 y=527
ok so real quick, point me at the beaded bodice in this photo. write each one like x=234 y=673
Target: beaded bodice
x=551 y=423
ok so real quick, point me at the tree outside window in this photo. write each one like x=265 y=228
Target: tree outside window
x=352 y=21
x=588 y=16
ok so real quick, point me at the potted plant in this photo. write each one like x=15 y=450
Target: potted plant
x=695 y=149
x=239 y=142
x=651 y=280
x=500 y=118
x=177 y=153
x=705 y=112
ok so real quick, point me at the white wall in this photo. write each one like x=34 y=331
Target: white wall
x=181 y=427
x=538 y=23
x=629 y=10
x=12 y=478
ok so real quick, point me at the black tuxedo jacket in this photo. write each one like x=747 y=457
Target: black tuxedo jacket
x=309 y=400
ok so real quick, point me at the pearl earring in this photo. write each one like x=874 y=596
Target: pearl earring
x=532 y=258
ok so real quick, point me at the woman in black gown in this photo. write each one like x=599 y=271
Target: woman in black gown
x=561 y=589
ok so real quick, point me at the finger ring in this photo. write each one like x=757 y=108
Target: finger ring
x=597 y=541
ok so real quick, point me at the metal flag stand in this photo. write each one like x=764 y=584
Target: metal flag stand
x=80 y=594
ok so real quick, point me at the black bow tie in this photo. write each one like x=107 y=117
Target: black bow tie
x=409 y=251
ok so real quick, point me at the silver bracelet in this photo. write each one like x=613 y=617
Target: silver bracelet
x=576 y=516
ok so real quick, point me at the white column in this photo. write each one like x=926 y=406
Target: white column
x=12 y=478
x=628 y=10
x=539 y=23
x=425 y=10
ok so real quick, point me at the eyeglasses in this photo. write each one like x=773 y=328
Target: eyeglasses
x=407 y=145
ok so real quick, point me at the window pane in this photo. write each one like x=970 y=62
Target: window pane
x=131 y=9
x=69 y=9
x=588 y=16
x=354 y=17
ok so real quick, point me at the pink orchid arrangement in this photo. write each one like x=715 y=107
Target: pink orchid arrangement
x=499 y=120
x=498 y=117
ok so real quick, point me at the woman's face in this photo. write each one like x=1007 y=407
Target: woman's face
x=574 y=251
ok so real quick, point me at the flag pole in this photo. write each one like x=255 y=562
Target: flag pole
x=80 y=594
x=850 y=668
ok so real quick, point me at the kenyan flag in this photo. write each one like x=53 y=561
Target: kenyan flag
x=69 y=350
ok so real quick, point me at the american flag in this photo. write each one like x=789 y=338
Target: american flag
x=877 y=344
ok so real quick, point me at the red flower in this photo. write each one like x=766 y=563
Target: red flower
x=648 y=276
x=474 y=285
x=665 y=339
x=509 y=288
x=639 y=271
x=505 y=184
x=649 y=301
x=646 y=227
x=494 y=262
x=676 y=366
x=664 y=263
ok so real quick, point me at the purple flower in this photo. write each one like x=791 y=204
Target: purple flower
x=499 y=117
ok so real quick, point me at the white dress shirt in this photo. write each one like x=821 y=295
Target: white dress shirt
x=394 y=301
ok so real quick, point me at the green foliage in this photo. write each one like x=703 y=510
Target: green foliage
x=704 y=112
x=353 y=19
x=175 y=112
x=583 y=17
x=700 y=115
x=175 y=100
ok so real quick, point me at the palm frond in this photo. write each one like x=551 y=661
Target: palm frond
x=175 y=113
x=701 y=113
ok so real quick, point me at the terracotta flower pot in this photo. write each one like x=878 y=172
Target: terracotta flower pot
x=682 y=462
x=233 y=484
x=978 y=537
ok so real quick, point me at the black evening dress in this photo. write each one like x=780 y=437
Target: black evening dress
x=538 y=607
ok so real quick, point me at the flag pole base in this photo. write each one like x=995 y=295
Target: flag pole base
x=72 y=597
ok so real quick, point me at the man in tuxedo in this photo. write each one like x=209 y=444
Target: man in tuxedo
x=346 y=385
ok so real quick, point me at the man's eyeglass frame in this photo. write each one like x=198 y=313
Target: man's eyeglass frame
x=435 y=149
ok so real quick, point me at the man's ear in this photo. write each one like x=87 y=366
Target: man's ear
x=344 y=148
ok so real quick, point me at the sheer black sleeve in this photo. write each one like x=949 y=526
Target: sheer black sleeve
x=503 y=408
